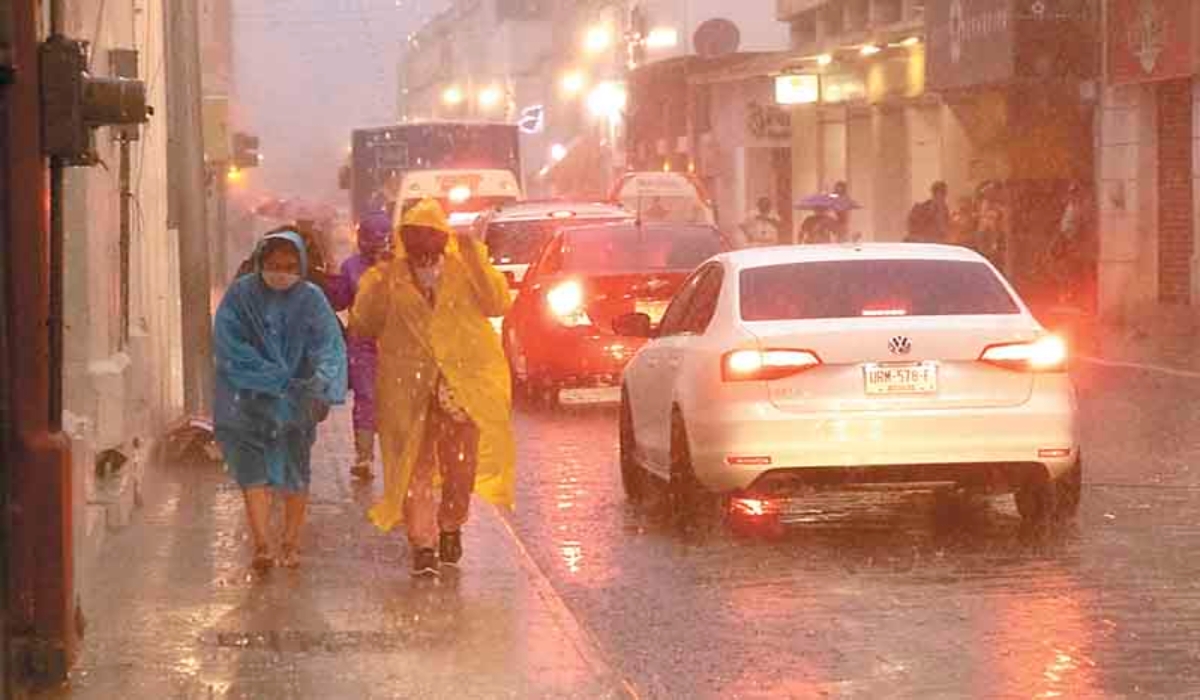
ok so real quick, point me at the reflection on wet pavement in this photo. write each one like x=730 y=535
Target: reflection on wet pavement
x=886 y=595
x=176 y=613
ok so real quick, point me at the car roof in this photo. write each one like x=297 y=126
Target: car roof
x=631 y=226
x=537 y=211
x=785 y=255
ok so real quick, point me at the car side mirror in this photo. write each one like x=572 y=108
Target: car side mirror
x=634 y=326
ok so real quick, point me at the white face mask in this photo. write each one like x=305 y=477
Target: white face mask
x=281 y=281
x=428 y=275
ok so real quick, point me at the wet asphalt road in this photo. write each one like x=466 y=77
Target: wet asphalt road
x=880 y=598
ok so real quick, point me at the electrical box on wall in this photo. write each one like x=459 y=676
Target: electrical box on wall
x=74 y=103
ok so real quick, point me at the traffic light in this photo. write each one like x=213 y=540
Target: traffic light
x=74 y=103
x=245 y=151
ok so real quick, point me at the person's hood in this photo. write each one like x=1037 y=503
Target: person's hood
x=429 y=213
x=374 y=232
x=289 y=236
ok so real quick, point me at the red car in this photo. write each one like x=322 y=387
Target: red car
x=559 y=333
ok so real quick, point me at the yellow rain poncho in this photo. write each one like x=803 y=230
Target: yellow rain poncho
x=418 y=341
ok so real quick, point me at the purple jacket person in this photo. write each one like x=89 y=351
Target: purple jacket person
x=374 y=245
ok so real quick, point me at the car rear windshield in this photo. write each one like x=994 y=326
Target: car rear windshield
x=858 y=288
x=626 y=249
x=518 y=242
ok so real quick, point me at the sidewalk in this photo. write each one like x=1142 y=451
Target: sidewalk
x=1162 y=338
x=173 y=611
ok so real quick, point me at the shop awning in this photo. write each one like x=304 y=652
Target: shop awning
x=745 y=66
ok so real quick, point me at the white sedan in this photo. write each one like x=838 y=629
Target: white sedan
x=780 y=370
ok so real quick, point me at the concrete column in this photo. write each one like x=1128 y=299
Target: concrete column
x=892 y=172
x=806 y=154
x=860 y=171
x=1127 y=200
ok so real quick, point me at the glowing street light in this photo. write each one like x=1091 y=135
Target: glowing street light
x=234 y=174
x=453 y=96
x=607 y=100
x=573 y=83
x=662 y=38
x=869 y=50
x=911 y=41
x=558 y=152
x=598 y=39
x=489 y=97
x=825 y=59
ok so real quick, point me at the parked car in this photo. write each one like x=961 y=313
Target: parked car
x=778 y=370
x=560 y=333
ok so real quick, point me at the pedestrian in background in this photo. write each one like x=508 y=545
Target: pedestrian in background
x=443 y=386
x=280 y=364
x=761 y=228
x=819 y=227
x=929 y=221
x=374 y=246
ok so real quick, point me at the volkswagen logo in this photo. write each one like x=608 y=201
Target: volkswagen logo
x=900 y=345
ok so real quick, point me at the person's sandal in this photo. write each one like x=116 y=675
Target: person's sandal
x=262 y=559
x=291 y=557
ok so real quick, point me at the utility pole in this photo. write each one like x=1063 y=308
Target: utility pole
x=187 y=199
x=40 y=604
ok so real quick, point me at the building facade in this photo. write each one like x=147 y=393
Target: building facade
x=1147 y=179
x=122 y=344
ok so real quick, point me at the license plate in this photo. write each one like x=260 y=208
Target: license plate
x=654 y=309
x=882 y=380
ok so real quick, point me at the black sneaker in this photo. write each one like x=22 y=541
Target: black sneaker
x=450 y=547
x=425 y=562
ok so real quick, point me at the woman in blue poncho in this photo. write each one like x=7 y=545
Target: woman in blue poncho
x=280 y=364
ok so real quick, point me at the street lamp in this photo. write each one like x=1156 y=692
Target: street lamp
x=869 y=50
x=453 y=96
x=607 y=100
x=558 y=152
x=573 y=83
x=825 y=59
x=598 y=39
x=489 y=97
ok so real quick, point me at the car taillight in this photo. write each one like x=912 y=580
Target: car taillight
x=766 y=365
x=1046 y=354
x=566 y=303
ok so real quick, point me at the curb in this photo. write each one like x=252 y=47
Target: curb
x=584 y=644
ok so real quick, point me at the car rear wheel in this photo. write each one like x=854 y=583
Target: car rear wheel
x=633 y=477
x=1040 y=500
x=691 y=505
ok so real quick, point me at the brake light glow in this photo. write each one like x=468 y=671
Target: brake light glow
x=747 y=461
x=566 y=303
x=766 y=365
x=1046 y=354
x=562 y=215
x=753 y=507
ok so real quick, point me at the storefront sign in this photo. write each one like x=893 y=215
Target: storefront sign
x=1149 y=40
x=971 y=43
x=768 y=121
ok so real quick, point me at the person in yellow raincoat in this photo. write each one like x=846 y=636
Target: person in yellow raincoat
x=443 y=389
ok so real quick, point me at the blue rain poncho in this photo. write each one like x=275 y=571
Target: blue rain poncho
x=280 y=360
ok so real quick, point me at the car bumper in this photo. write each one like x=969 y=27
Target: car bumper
x=736 y=446
x=586 y=360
